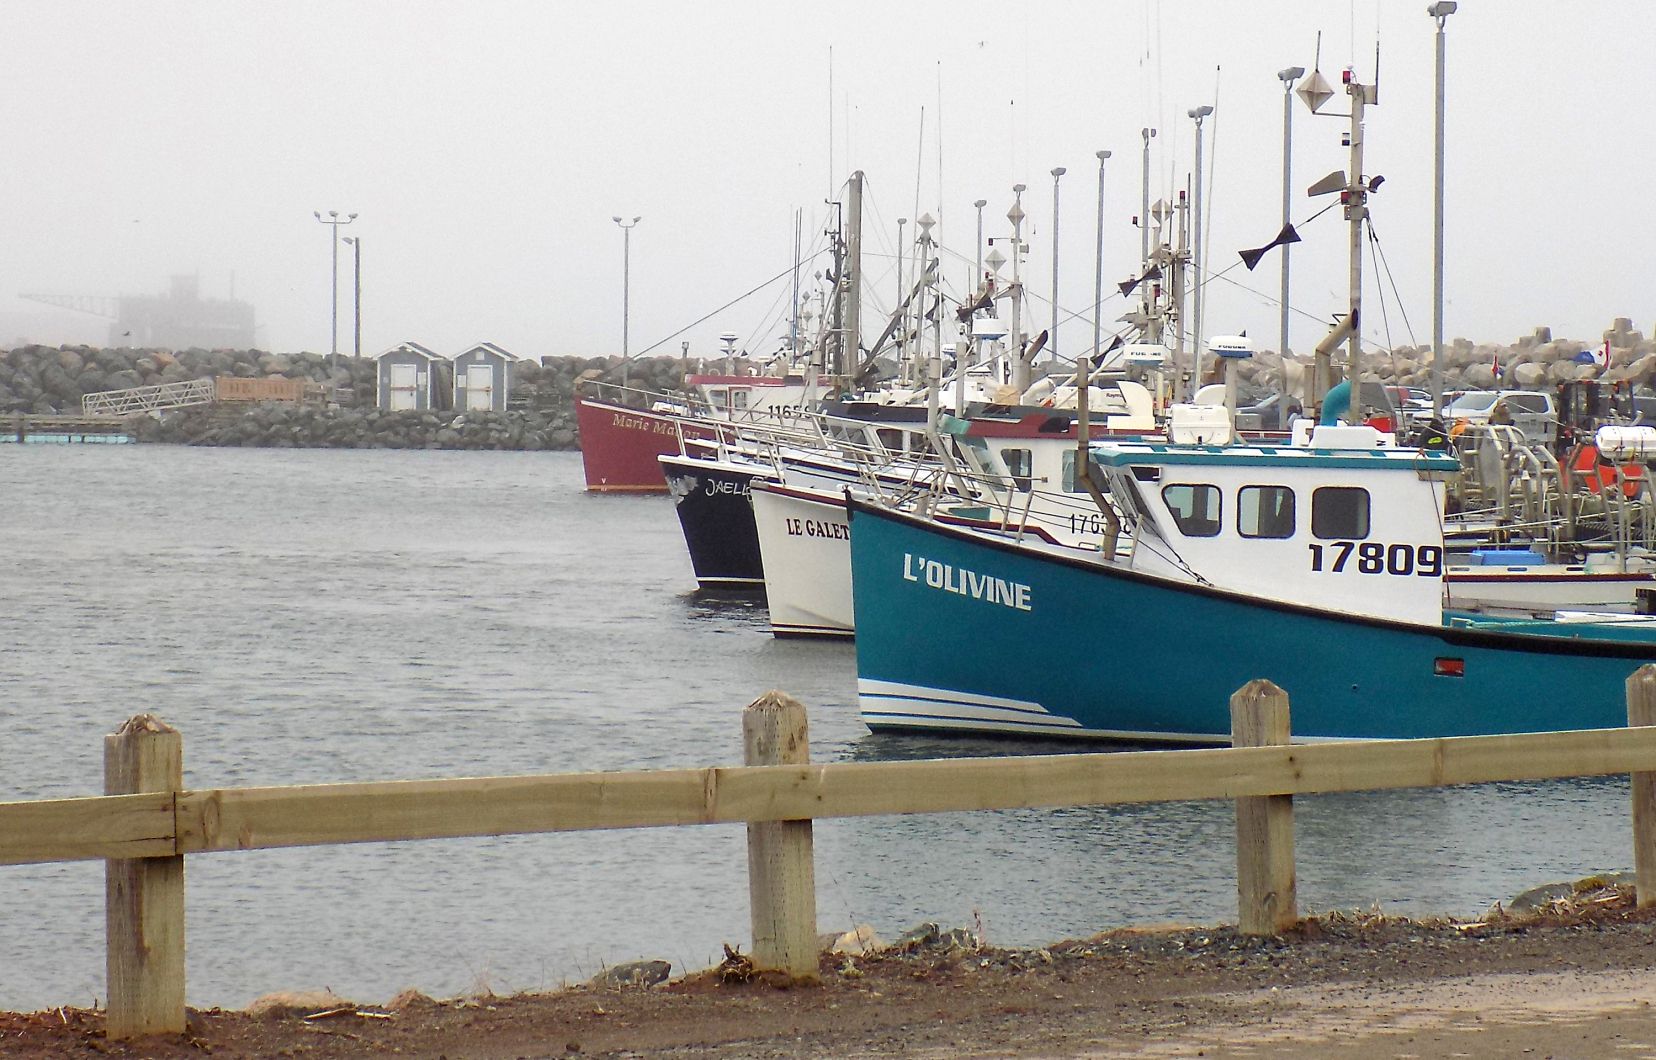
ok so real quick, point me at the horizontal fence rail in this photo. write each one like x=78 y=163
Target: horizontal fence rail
x=225 y=819
x=147 y=822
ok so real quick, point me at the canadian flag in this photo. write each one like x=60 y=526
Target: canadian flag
x=1601 y=356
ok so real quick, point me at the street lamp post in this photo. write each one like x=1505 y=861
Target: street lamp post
x=1288 y=77
x=977 y=280
x=1052 y=336
x=626 y=292
x=333 y=222
x=356 y=287
x=1196 y=258
x=1144 y=207
x=1440 y=11
x=902 y=304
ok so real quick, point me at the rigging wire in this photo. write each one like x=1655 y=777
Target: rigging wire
x=746 y=294
x=1379 y=251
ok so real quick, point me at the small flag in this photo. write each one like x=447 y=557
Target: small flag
x=1602 y=356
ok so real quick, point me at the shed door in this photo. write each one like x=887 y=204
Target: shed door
x=479 y=386
x=404 y=387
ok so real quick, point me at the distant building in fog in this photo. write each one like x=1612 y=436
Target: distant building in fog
x=181 y=319
x=177 y=320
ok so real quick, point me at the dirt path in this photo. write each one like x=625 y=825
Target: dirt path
x=1576 y=980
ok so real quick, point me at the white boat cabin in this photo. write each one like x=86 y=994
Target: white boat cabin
x=1335 y=524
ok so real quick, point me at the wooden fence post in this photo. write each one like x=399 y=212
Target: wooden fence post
x=1266 y=900
x=144 y=897
x=1641 y=710
x=781 y=874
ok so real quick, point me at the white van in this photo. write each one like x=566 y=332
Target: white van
x=1533 y=412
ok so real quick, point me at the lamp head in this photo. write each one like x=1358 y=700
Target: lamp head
x=1101 y=155
x=980 y=203
x=1201 y=112
x=317 y=214
x=1058 y=171
x=1293 y=73
x=1148 y=134
x=1019 y=189
x=351 y=217
x=617 y=220
x=333 y=213
x=637 y=219
x=1442 y=9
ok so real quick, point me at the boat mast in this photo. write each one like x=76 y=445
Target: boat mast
x=1356 y=211
x=1179 y=257
x=1020 y=364
x=851 y=347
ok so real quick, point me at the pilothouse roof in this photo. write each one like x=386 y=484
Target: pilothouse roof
x=1125 y=454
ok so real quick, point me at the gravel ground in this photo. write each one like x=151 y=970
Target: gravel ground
x=1571 y=979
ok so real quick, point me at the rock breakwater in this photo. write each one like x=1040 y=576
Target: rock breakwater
x=46 y=380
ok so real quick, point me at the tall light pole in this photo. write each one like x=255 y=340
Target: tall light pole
x=977 y=280
x=626 y=292
x=356 y=302
x=902 y=303
x=1098 y=264
x=1144 y=207
x=333 y=222
x=1196 y=257
x=1052 y=336
x=1441 y=12
x=1288 y=77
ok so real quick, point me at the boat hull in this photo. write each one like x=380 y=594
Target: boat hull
x=619 y=445
x=805 y=544
x=959 y=631
x=714 y=511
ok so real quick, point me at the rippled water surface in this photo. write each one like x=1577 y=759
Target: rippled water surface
x=304 y=616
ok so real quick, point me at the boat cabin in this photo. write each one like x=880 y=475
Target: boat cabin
x=1334 y=524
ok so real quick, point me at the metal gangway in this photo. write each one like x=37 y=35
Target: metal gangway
x=159 y=398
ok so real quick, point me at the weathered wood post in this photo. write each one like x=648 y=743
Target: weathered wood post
x=1641 y=710
x=144 y=897
x=781 y=874
x=1266 y=900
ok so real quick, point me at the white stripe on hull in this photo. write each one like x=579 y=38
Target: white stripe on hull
x=891 y=705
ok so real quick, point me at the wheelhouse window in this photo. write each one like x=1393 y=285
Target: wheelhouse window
x=1194 y=507
x=1340 y=513
x=1265 y=511
x=1020 y=465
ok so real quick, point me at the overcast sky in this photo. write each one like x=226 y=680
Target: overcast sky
x=486 y=145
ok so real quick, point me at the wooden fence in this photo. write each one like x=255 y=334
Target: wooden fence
x=147 y=822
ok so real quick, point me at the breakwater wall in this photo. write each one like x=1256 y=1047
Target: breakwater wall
x=49 y=380
x=1537 y=361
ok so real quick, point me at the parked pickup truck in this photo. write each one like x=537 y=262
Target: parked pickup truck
x=1531 y=411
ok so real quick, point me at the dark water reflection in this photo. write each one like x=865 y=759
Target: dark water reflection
x=314 y=616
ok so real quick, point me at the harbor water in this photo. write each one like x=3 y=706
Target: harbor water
x=309 y=616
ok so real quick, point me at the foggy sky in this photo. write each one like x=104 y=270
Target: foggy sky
x=487 y=145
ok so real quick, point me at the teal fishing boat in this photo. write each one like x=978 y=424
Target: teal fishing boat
x=1318 y=566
